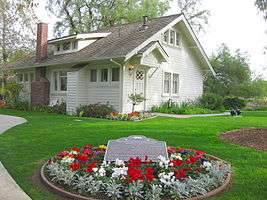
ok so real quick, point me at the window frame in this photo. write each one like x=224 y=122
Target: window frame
x=119 y=74
x=170 y=82
x=96 y=76
x=56 y=76
x=168 y=37
x=177 y=84
x=102 y=69
x=179 y=41
x=63 y=46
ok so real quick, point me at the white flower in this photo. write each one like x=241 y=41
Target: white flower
x=119 y=162
x=95 y=169
x=163 y=162
x=67 y=159
x=176 y=156
x=118 y=171
x=166 y=178
x=207 y=165
x=102 y=171
x=74 y=152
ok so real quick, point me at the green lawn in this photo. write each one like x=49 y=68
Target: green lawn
x=25 y=147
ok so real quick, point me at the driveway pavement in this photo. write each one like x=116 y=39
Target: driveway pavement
x=9 y=189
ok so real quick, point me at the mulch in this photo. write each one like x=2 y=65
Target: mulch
x=250 y=137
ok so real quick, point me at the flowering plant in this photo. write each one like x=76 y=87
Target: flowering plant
x=133 y=116
x=185 y=173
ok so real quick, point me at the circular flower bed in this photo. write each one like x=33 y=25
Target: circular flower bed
x=82 y=173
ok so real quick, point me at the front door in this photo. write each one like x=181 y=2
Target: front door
x=139 y=86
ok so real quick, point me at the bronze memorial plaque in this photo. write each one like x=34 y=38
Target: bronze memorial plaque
x=135 y=146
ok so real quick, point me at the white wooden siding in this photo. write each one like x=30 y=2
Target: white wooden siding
x=182 y=62
x=72 y=92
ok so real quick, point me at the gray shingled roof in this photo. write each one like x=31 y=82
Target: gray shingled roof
x=122 y=40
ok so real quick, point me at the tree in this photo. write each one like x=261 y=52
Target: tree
x=262 y=6
x=77 y=16
x=197 y=16
x=16 y=22
x=234 y=77
x=136 y=99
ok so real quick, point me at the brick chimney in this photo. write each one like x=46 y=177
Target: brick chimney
x=40 y=88
x=41 y=47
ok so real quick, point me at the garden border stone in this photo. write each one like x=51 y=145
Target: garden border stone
x=57 y=190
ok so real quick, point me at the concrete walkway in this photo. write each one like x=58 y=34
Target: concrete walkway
x=9 y=189
x=189 y=116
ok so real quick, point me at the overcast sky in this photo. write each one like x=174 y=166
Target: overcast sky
x=236 y=23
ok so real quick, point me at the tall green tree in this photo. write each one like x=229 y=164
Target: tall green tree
x=234 y=77
x=197 y=16
x=16 y=31
x=76 y=16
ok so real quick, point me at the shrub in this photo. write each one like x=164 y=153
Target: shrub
x=211 y=101
x=234 y=102
x=183 y=108
x=95 y=110
x=11 y=92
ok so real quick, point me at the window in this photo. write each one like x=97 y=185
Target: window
x=93 y=75
x=58 y=47
x=26 y=77
x=59 y=80
x=167 y=83
x=63 y=81
x=172 y=35
x=115 y=74
x=175 y=83
x=75 y=44
x=20 y=78
x=177 y=41
x=104 y=75
x=166 y=36
x=66 y=46
x=31 y=77
x=55 y=79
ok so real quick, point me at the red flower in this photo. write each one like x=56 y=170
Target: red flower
x=75 y=149
x=200 y=153
x=88 y=146
x=171 y=150
x=75 y=166
x=177 y=162
x=149 y=174
x=191 y=160
x=71 y=155
x=181 y=150
x=63 y=154
x=180 y=173
x=134 y=162
x=82 y=157
x=88 y=151
x=135 y=174
x=91 y=166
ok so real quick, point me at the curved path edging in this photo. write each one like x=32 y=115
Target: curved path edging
x=9 y=189
x=220 y=190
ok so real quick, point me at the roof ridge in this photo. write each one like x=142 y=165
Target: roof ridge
x=118 y=25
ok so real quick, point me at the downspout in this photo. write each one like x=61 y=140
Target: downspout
x=121 y=83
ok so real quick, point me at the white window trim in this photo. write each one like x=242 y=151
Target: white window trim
x=178 y=88
x=24 y=75
x=111 y=74
x=58 y=91
x=163 y=86
x=169 y=38
x=97 y=78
